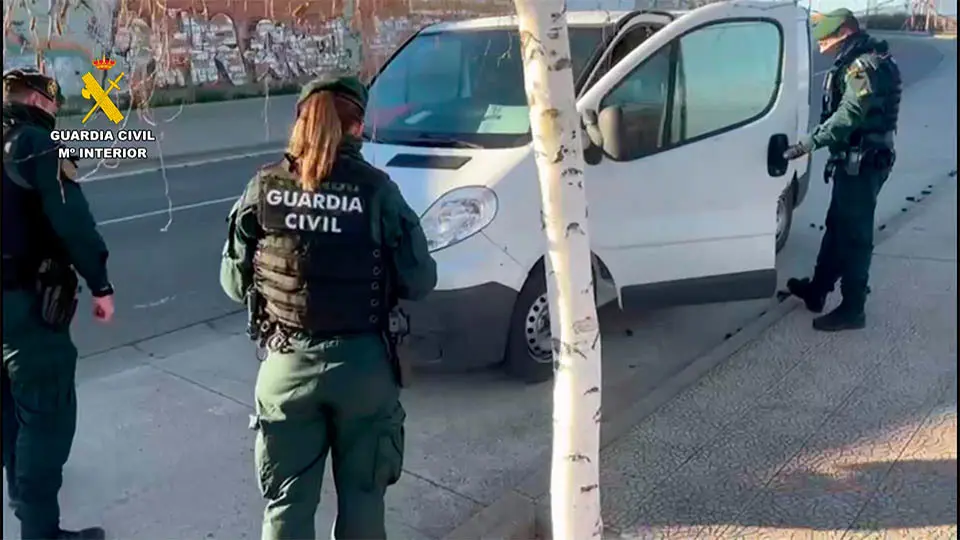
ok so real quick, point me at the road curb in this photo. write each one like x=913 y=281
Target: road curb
x=523 y=511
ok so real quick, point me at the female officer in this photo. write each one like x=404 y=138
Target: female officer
x=329 y=244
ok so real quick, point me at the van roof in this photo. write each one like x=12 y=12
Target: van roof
x=574 y=18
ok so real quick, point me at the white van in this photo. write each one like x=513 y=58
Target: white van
x=689 y=196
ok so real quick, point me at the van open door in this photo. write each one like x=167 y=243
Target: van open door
x=693 y=124
x=805 y=83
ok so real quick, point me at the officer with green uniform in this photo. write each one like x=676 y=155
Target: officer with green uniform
x=48 y=232
x=325 y=266
x=861 y=104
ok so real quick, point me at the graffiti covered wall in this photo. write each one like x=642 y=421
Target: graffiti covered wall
x=167 y=45
x=62 y=38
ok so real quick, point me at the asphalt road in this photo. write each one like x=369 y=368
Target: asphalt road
x=165 y=255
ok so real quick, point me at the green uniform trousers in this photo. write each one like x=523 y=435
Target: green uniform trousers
x=847 y=246
x=39 y=411
x=336 y=397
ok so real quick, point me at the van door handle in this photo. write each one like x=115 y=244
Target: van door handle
x=777 y=164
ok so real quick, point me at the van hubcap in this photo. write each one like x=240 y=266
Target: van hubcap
x=537 y=331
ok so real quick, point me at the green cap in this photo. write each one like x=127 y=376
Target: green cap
x=827 y=24
x=349 y=87
x=36 y=81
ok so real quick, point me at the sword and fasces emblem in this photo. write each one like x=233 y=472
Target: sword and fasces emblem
x=101 y=98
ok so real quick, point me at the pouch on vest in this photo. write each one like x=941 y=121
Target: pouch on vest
x=58 y=288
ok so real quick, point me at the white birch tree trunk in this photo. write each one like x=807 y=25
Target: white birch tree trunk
x=548 y=76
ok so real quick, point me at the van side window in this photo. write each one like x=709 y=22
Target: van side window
x=643 y=96
x=622 y=48
x=714 y=78
x=727 y=74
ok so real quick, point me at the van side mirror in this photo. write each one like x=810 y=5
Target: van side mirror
x=611 y=126
x=593 y=139
x=777 y=165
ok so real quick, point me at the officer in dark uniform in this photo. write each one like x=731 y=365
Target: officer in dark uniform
x=47 y=233
x=329 y=244
x=861 y=104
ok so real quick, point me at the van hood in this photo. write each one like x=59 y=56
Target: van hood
x=424 y=174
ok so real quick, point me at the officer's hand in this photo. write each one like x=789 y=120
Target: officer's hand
x=800 y=149
x=103 y=308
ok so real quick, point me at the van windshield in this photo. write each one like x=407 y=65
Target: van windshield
x=460 y=89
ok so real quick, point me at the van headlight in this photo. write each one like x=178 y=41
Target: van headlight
x=457 y=215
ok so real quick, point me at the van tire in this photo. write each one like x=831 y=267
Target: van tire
x=518 y=361
x=785 y=206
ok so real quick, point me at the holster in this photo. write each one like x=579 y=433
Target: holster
x=398 y=328
x=853 y=161
x=58 y=288
x=260 y=329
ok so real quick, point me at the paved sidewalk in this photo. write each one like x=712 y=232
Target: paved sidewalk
x=809 y=435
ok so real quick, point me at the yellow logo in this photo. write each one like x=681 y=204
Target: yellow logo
x=101 y=98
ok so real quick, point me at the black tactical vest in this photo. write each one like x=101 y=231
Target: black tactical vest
x=318 y=266
x=27 y=235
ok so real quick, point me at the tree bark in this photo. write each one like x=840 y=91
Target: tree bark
x=555 y=125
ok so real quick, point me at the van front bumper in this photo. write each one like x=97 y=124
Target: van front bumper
x=459 y=329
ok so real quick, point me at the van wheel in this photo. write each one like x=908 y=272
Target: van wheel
x=529 y=354
x=785 y=215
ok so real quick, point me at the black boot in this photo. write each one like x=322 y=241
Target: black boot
x=842 y=318
x=803 y=289
x=91 y=533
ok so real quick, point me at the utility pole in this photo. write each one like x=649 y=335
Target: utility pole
x=557 y=146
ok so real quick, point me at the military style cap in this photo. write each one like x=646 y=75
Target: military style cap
x=37 y=81
x=348 y=87
x=828 y=24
